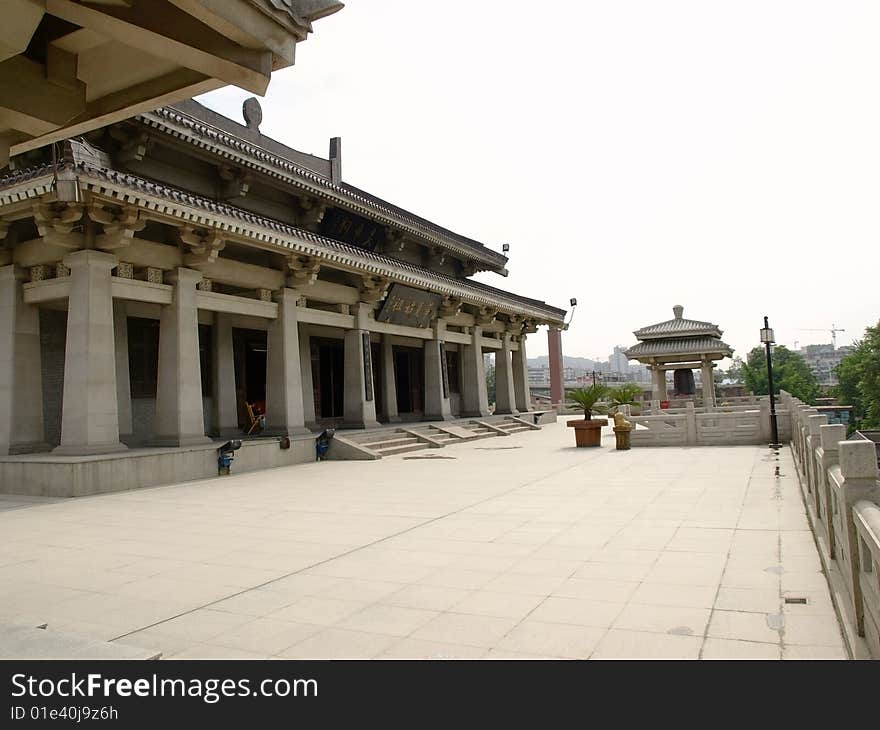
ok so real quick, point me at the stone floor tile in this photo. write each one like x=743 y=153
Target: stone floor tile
x=384 y=619
x=533 y=637
x=335 y=643
x=730 y=649
x=677 y=620
x=315 y=610
x=265 y=635
x=742 y=626
x=624 y=644
x=812 y=631
x=420 y=649
x=668 y=594
x=469 y=629
x=762 y=600
x=616 y=591
x=814 y=652
x=505 y=605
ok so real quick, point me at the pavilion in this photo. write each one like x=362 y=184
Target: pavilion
x=681 y=345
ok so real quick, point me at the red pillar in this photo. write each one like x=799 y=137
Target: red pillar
x=554 y=344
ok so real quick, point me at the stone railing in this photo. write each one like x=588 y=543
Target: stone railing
x=839 y=481
x=691 y=426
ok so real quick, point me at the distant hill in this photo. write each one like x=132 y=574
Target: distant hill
x=580 y=363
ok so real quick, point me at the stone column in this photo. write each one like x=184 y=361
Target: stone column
x=474 y=397
x=557 y=384
x=523 y=397
x=437 y=405
x=505 y=397
x=305 y=369
x=123 y=380
x=708 y=385
x=21 y=383
x=90 y=410
x=284 y=392
x=359 y=396
x=180 y=418
x=224 y=396
x=659 y=384
x=389 y=381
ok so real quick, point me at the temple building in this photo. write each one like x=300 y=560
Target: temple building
x=681 y=345
x=171 y=279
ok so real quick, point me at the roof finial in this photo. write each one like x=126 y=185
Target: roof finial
x=678 y=310
x=252 y=113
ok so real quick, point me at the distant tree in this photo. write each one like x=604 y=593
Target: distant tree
x=490 y=383
x=734 y=373
x=859 y=376
x=790 y=373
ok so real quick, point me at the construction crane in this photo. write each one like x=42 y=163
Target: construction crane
x=834 y=330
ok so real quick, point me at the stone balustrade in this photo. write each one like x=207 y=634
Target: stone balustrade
x=839 y=480
x=692 y=426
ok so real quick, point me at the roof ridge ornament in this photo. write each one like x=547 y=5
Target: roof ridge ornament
x=252 y=113
x=678 y=310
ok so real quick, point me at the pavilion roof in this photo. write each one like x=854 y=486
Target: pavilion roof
x=678 y=327
x=679 y=346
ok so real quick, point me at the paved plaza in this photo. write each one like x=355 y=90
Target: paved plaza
x=518 y=546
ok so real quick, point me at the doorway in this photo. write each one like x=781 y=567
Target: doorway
x=409 y=377
x=328 y=371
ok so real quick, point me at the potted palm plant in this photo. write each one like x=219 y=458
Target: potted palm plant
x=627 y=394
x=588 y=430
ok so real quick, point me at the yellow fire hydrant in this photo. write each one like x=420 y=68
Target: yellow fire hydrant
x=622 y=431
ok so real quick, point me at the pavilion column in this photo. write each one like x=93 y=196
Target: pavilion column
x=305 y=368
x=90 y=410
x=21 y=384
x=359 y=398
x=389 y=381
x=180 y=416
x=521 y=390
x=660 y=383
x=224 y=396
x=474 y=396
x=505 y=396
x=708 y=385
x=554 y=350
x=284 y=393
x=437 y=404
x=123 y=381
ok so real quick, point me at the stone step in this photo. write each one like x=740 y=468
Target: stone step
x=390 y=441
x=401 y=449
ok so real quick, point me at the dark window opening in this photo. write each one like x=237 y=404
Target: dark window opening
x=143 y=356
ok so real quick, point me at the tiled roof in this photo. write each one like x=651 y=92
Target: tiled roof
x=679 y=346
x=228 y=144
x=678 y=327
x=268 y=227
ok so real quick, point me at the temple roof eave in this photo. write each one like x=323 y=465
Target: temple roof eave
x=230 y=147
x=702 y=348
x=31 y=184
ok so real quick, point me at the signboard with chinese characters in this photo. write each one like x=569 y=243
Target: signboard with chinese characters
x=410 y=307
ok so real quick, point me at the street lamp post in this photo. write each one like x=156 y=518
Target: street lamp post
x=767 y=339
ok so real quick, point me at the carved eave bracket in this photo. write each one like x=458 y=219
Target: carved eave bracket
x=485 y=316
x=374 y=288
x=530 y=326
x=204 y=245
x=450 y=307
x=303 y=270
x=310 y=212
x=394 y=242
x=515 y=324
x=133 y=146
x=435 y=257
x=235 y=182
x=56 y=221
x=120 y=224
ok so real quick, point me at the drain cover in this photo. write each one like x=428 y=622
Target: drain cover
x=801 y=601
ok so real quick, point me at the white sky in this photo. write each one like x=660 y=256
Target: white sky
x=634 y=154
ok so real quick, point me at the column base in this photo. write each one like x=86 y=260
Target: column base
x=292 y=432
x=475 y=414
x=89 y=449
x=438 y=417
x=31 y=447
x=507 y=412
x=394 y=419
x=359 y=425
x=180 y=441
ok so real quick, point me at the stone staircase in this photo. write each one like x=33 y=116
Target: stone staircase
x=406 y=438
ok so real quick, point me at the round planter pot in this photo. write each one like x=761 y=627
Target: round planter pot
x=588 y=433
